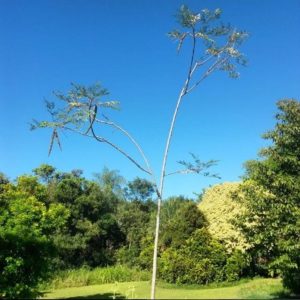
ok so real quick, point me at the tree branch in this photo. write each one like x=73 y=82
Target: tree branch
x=104 y=140
x=136 y=144
x=208 y=72
x=139 y=148
x=185 y=171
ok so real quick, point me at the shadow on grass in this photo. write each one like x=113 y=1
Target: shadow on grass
x=99 y=296
x=284 y=295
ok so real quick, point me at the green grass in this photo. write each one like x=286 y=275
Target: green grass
x=260 y=288
x=86 y=277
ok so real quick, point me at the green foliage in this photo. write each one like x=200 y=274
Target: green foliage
x=92 y=233
x=145 y=259
x=219 y=207
x=31 y=186
x=271 y=191
x=200 y=260
x=189 y=253
x=180 y=217
x=111 y=181
x=4 y=186
x=3 y=181
x=196 y=167
x=133 y=218
x=237 y=265
x=140 y=189
x=78 y=110
x=25 y=243
x=220 y=41
x=45 y=172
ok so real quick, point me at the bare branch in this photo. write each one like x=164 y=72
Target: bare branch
x=212 y=68
x=196 y=167
x=200 y=63
x=125 y=132
x=101 y=139
x=189 y=171
x=186 y=171
x=136 y=144
x=192 y=60
x=93 y=118
x=104 y=140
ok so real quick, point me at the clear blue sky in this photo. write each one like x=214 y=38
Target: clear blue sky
x=46 y=44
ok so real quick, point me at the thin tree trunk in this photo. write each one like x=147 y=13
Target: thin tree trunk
x=159 y=201
x=183 y=92
x=153 y=283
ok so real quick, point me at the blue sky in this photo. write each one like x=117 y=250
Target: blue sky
x=46 y=45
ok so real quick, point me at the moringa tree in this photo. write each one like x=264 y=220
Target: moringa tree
x=214 y=47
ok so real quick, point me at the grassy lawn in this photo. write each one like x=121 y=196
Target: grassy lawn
x=254 y=289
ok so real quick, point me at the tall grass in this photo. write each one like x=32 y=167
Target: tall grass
x=85 y=276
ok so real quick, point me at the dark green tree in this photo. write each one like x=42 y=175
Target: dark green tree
x=4 y=181
x=92 y=233
x=134 y=218
x=180 y=218
x=271 y=188
x=45 y=172
x=139 y=189
x=30 y=185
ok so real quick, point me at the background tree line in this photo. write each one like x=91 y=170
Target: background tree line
x=54 y=220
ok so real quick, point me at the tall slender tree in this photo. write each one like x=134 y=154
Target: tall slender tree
x=214 y=47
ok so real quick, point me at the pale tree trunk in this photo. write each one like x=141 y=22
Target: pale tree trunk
x=183 y=92
x=161 y=187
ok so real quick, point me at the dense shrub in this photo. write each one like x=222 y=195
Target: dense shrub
x=180 y=217
x=200 y=260
x=145 y=259
x=25 y=243
x=237 y=265
x=133 y=218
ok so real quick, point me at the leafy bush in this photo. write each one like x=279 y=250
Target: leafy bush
x=25 y=246
x=288 y=267
x=237 y=265
x=200 y=260
x=145 y=259
x=180 y=217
